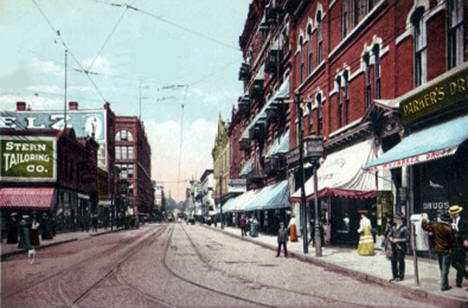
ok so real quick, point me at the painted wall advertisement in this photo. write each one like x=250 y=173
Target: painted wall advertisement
x=86 y=123
x=31 y=159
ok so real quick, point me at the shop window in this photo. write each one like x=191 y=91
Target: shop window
x=420 y=50
x=455 y=32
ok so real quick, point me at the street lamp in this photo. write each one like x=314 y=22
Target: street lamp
x=315 y=151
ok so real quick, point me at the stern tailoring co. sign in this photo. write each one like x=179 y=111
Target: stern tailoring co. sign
x=86 y=123
x=449 y=91
x=31 y=159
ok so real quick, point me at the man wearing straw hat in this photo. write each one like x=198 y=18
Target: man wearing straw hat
x=459 y=227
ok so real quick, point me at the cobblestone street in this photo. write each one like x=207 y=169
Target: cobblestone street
x=177 y=265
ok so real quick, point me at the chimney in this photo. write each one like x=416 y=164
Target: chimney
x=20 y=106
x=73 y=105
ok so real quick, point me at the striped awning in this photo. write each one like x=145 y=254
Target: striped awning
x=38 y=198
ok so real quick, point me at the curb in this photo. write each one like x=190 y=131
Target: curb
x=410 y=291
x=22 y=251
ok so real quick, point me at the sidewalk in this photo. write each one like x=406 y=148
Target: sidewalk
x=373 y=268
x=8 y=250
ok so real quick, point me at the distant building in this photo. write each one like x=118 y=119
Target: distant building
x=133 y=159
x=207 y=193
x=221 y=161
x=159 y=198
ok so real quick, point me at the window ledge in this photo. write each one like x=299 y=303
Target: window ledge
x=311 y=75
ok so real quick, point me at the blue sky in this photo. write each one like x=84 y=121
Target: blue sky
x=141 y=48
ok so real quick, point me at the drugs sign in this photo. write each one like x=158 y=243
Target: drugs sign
x=28 y=159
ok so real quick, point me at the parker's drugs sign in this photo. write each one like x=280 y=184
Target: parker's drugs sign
x=28 y=159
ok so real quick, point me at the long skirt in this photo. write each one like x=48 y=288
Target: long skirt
x=35 y=237
x=293 y=233
x=366 y=243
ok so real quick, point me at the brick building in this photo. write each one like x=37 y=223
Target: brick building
x=48 y=171
x=353 y=64
x=133 y=159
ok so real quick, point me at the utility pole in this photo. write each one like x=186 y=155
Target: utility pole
x=305 y=242
x=65 y=92
x=317 y=237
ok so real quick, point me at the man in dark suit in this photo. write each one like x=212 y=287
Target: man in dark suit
x=283 y=234
x=459 y=227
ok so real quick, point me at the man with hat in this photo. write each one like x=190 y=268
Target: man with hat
x=399 y=237
x=459 y=227
x=444 y=241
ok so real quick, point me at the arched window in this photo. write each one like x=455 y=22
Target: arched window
x=420 y=50
x=319 y=36
x=301 y=55
x=346 y=96
x=455 y=32
x=339 y=103
x=318 y=99
x=309 y=58
x=376 y=52
x=366 y=60
x=123 y=135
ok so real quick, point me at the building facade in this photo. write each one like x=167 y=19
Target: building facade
x=221 y=161
x=45 y=171
x=133 y=159
x=352 y=65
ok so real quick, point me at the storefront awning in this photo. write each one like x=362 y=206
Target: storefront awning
x=37 y=198
x=428 y=144
x=247 y=168
x=228 y=205
x=280 y=146
x=341 y=174
x=275 y=196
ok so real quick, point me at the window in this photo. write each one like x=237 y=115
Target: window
x=319 y=110
x=118 y=152
x=376 y=51
x=309 y=60
x=301 y=55
x=123 y=135
x=319 y=37
x=71 y=170
x=455 y=33
x=124 y=153
x=420 y=55
x=363 y=7
x=367 y=75
x=347 y=16
x=346 y=97
x=339 y=104
x=130 y=170
x=130 y=152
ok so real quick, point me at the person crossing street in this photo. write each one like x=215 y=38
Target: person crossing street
x=283 y=234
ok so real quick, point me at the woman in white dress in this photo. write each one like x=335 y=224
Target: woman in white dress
x=366 y=242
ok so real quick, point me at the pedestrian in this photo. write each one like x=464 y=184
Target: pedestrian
x=444 y=240
x=459 y=227
x=292 y=229
x=386 y=243
x=242 y=224
x=283 y=234
x=25 y=233
x=254 y=227
x=35 y=232
x=366 y=242
x=94 y=221
x=399 y=238
x=46 y=227
x=12 y=235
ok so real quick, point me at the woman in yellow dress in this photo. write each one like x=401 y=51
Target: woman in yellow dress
x=292 y=229
x=366 y=242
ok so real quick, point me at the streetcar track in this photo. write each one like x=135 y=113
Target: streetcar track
x=204 y=286
x=263 y=285
x=63 y=271
x=116 y=268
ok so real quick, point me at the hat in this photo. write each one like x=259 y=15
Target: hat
x=13 y=214
x=455 y=209
x=444 y=217
x=399 y=216
x=362 y=211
